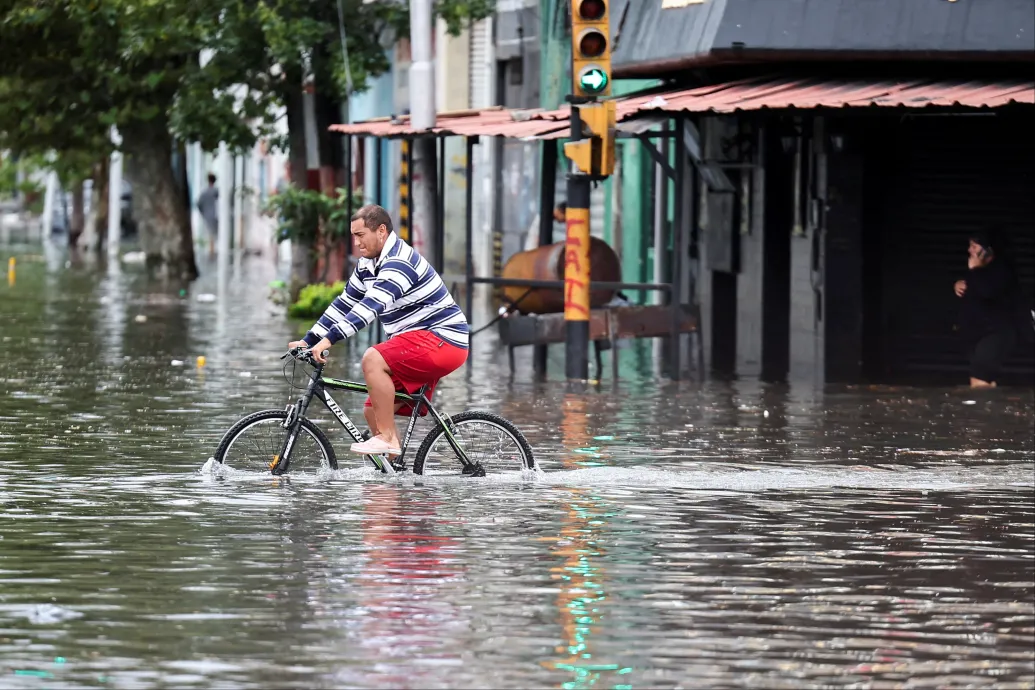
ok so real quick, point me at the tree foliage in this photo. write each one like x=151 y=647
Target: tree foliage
x=314 y=299
x=161 y=71
x=206 y=70
x=302 y=212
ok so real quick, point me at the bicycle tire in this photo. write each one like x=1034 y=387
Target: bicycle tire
x=527 y=461
x=245 y=423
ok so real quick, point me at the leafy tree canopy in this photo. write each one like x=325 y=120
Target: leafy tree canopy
x=200 y=70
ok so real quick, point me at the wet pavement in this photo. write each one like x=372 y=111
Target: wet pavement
x=679 y=536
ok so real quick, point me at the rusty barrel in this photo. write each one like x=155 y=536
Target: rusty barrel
x=547 y=263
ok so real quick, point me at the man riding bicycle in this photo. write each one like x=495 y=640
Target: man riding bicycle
x=428 y=334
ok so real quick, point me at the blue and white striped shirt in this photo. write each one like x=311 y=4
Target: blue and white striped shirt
x=401 y=288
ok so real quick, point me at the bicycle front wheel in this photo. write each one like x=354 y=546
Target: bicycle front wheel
x=487 y=439
x=253 y=444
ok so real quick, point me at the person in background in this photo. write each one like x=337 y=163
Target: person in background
x=988 y=309
x=208 y=206
x=532 y=235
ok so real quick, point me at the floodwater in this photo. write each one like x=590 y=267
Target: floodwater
x=679 y=535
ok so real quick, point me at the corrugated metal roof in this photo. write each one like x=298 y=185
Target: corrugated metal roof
x=654 y=41
x=795 y=93
x=763 y=93
x=517 y=124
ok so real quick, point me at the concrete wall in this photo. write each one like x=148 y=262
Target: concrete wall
x=785 y=300
x=807 y=346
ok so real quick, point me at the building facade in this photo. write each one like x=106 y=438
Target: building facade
x=830 y=250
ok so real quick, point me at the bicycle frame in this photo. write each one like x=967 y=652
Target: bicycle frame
x=320 y=386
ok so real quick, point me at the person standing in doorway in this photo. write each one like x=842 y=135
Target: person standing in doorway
x=208 y=206
x=988 y=309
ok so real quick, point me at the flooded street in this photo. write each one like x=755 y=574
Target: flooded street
x=679 y=536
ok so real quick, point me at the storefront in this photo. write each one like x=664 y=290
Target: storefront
x=930 y=181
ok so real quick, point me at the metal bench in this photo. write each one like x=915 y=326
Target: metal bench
x=606 y=325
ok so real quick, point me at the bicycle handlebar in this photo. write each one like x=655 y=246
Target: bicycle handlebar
x=303 y=355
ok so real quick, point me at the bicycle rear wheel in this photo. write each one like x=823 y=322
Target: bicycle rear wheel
x=252 y=445
x=488 y=440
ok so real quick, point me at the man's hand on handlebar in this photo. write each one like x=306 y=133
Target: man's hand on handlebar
x=317 y=354
x=319 y=351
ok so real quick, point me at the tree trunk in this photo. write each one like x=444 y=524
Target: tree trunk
x=96 y=228
x=183 y=177
x=301 y=252
x=77 y=221
x=164 y=221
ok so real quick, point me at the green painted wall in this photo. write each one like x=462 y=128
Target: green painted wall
x=554 y=73
x=555 y=55
x=635 y=208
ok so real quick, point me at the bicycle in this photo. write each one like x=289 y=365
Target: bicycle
x=291 y=428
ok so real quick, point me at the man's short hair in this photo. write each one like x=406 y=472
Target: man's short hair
x=562 y=207
x=372 y=216
x=211 y=178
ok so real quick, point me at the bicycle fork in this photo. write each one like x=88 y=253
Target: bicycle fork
x=293 y=423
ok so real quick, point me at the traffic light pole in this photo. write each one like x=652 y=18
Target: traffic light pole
x=592 y=159
x=576 y=268
x=424 y=188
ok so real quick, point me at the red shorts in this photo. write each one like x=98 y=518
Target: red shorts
x=417 y=358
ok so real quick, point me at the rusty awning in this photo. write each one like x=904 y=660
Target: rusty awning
x=491 y=122
x=753 y=94
x=785 y=93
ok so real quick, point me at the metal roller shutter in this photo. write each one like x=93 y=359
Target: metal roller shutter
x=949 y=176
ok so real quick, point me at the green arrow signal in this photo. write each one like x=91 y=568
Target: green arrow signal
x=593 y=79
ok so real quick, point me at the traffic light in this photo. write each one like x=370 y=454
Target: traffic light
x=594 y=155
x=590 y=48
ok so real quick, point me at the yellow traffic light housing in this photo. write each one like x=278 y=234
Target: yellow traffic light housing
x=594 y=155
x=590 y=48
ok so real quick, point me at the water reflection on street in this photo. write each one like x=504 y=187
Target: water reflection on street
x=680 y=536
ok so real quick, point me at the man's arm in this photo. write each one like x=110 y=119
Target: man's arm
x=337 y=312
x=394 y=279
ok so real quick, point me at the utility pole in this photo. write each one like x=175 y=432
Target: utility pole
x=114 y=198
x=225 y=186
x=422 y=117
x=592 y=154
